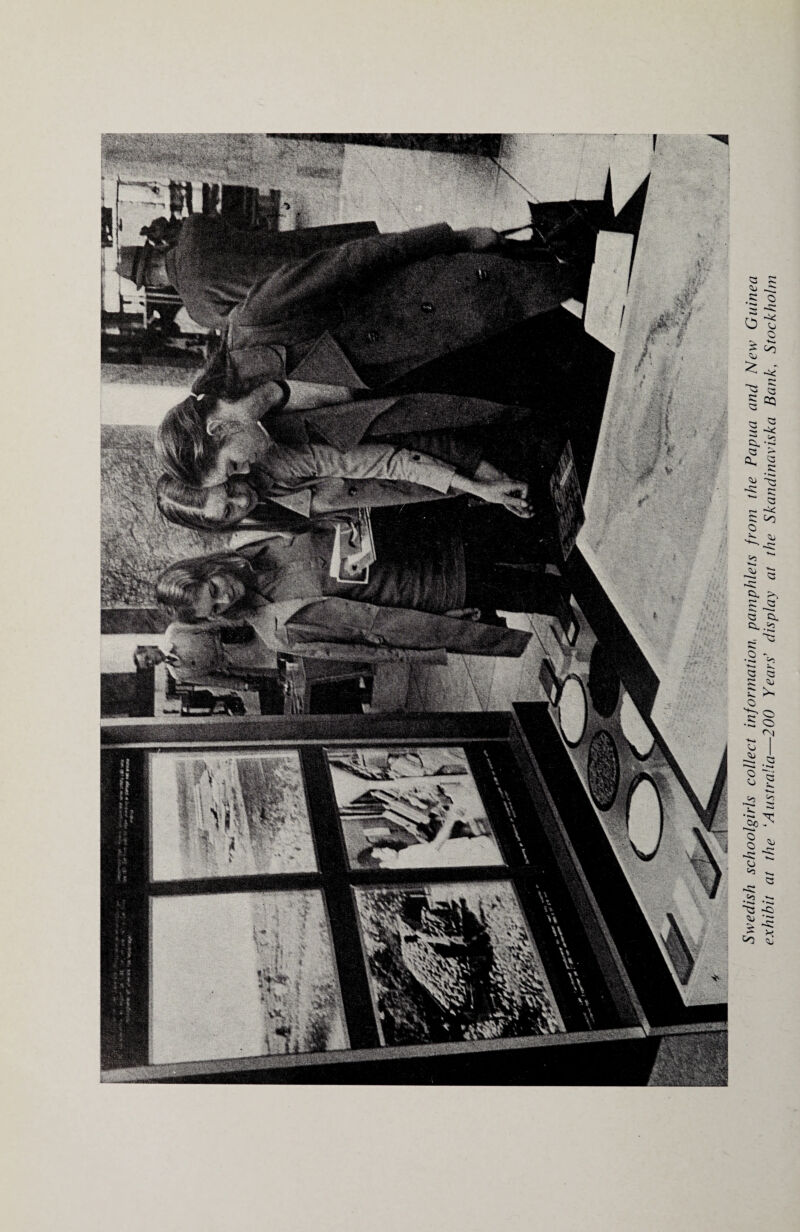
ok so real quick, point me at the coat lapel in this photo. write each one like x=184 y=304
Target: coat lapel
x=326 y=362
x=345 y=425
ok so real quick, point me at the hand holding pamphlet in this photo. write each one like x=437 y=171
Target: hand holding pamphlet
x=353 y=548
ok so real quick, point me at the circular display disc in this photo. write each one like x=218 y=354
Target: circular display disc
x=645 y=817
x=602 y=770
x=635 y=730
x=572 y=711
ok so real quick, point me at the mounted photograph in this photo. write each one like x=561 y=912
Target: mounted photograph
x=410 y=808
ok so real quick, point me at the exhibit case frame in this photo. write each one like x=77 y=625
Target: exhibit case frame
x=384 y=898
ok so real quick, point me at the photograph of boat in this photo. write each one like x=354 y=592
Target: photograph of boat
x=453 y=962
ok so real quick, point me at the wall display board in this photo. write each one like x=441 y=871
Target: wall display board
x=347 y=900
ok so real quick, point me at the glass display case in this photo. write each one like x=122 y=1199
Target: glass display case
x=393 y=898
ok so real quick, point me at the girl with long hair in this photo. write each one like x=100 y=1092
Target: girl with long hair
x=437 y=583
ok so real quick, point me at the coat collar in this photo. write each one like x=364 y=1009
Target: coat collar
x=326 y=362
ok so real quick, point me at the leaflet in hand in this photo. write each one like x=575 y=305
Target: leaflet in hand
x=353 y=548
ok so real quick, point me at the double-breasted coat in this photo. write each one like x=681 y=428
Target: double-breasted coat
x=368 y=311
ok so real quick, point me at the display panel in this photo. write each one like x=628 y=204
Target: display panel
x=213 y=966
x=237 y=975
x=411 y=807
x=453 y=961
x=218 y=815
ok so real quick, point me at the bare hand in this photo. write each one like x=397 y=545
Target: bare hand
x=512 y=493
x=478 y=239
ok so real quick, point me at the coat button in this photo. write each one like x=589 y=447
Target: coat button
x=481 y=274
x=372 y=335
x=426 y=306
x=352 y=491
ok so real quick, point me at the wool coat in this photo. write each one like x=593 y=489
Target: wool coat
x=368 y=311
x=214 y=265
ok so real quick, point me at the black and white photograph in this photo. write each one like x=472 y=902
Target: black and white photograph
x=429 y=838
x=453 y=962
x=228 y=816
x=239 y=975
x=410 y=808
x=404 y=429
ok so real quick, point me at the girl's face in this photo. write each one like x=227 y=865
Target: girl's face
x=240 y=445
x=217 y=595
x=227 y=503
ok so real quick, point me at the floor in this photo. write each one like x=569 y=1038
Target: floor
x=479 y=682
x=410 y=188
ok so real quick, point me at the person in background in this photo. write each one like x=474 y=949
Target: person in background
x=212 y=264
x=210 y=656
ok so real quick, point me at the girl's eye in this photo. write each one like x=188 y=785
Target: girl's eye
x=226 y=513
x=212 y=590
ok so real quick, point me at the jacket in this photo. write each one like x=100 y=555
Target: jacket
x=214 y=265
x=346 y=629
x=417 y=567
x=349 y=423
x=382 y=306
x=317 y=479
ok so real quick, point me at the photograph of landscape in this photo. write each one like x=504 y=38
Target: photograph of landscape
x=239 y=974
x=228 y=815
x=453 y=962
x=410 y=806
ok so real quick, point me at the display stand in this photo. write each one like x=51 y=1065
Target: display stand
x=353 y=899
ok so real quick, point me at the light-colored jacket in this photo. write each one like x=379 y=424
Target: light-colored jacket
x=318 y=479
x=197 y=655
x=334 y=628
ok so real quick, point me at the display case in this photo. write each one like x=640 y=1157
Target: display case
x=383 y=899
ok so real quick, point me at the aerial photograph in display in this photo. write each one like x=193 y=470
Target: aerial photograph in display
x=216 y=815
x=238 y=975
